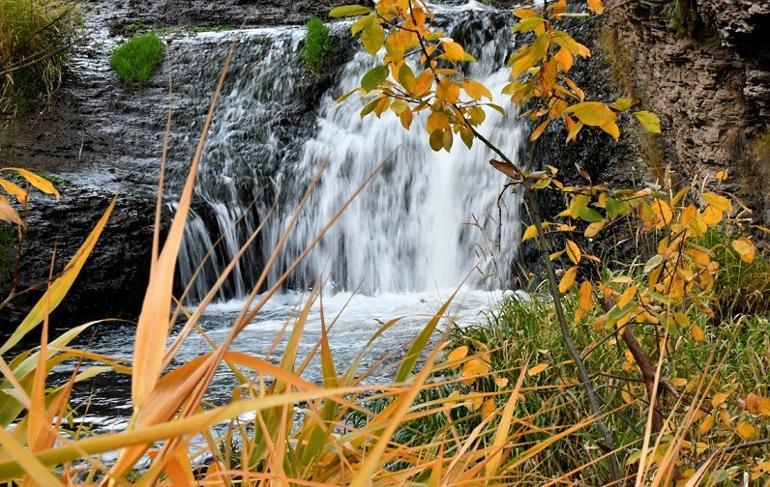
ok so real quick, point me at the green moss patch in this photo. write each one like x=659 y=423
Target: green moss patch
x=136 y=59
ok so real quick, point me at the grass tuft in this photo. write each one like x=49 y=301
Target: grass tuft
x=136 y=59
x=35 y=37
x=316 y=44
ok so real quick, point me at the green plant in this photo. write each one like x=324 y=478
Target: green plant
x=136 y=59
x=683 y=18
x=316 y=44
x=740 y=288
x=35 y=41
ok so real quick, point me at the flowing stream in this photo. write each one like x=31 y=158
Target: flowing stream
x=427 y=224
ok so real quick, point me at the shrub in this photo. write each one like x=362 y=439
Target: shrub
x=35 y=37
x=136 y=59
x=316 y=44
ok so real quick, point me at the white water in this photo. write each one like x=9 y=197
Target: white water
x=425 y=223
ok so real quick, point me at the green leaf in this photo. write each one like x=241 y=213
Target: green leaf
x=654 y=262
x=649 y=121
x=374 y=77
x=590 y=215
x=373 y=36
x=349 y=11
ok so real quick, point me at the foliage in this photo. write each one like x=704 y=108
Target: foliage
x=136 y=59
x=35 y=38
x=316 y=44
x=622 y=365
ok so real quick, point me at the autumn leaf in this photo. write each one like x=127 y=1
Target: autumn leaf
x=663 y=213
x=573 y=252
x=722 y=175
x=746 y=249
x=718 y=399
x=649 y=121
x=537 y=369
x=626 y=297
x=348 y=11
x=529 y=233
x=38 y=182
x=747 y=431
x=455 y=52
x=593 y=229
x=501 y=382
x=596 y=6
x=476 y=90
x=7 y=213
x=457 y=354
x=622 y=104
x=757 y=404
x=568 y=279
x=718 y=202
x=706 y=425
x=593 y=113
x=697 y=333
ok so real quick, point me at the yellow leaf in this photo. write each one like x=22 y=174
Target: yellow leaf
x=539 y=131
x=586 y=296
x=476 y=90
x=42 y=184
x=626 y=297
x=488 y=408
x=678 y=382
x=718 y=399
x=568 y=279
x=501 y=382
x=712 y=216
x=722 y=175
x=593 y=113
x=758 y=404
x=724 y=417
x=649 y=121
x=663 y=213
x=524 y=13
x=564 y=59
x=747 y=431
x=529 y=233
x=454 y=51
x=596 y=6
x=422 y=84
x=537 y=369
x=706 y=424
x=573 y=252
x=718 y=201
x=437 y=121
x=697 y=333
x=612 y=129
x=448 y=91
x=457 y=354
x=8 y=213
x=15 y=190
x=745 y=249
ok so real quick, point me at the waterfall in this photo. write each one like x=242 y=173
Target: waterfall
x=423 y=224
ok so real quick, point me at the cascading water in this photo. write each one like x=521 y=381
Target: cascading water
x=430 y=217
x=423 y=224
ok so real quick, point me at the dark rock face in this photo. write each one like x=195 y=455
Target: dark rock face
x=115 y=275
x=711 y=90
x=104 y=139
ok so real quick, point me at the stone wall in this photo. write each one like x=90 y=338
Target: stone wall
x=711 y=87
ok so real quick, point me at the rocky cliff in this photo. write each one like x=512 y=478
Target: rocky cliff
x=704 y=67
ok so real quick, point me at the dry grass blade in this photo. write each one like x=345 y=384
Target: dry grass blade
x=152 y=328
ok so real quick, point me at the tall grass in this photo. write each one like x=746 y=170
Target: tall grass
x=497 y=404
x=35 y=39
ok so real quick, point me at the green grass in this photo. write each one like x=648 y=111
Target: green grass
x=136 y=59
x=35 y=37
x=316 y=45
x=740 y=288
